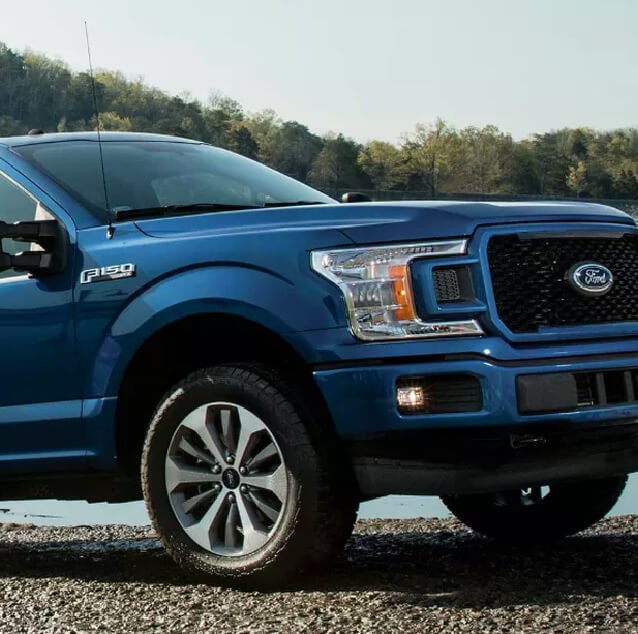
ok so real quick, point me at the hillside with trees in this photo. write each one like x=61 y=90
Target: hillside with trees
x=434 y=159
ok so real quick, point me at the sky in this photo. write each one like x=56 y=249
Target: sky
x=371 y=69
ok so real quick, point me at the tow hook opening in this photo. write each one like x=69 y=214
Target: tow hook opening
x=526 y=441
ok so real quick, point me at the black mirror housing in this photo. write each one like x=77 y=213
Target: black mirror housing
x=355 y=197
x=45 y=233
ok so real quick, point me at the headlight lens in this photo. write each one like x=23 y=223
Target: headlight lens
x=376 y=285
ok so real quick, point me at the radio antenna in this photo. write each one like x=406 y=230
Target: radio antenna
x=107 y=205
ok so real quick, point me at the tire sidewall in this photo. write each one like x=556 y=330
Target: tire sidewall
x=568 y=508
x=282 y=421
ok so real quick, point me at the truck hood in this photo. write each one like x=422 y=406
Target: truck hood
x=368 y=223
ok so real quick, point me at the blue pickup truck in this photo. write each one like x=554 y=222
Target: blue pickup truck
x=254 y=359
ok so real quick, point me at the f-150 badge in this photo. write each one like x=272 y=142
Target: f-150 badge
x=104 y=273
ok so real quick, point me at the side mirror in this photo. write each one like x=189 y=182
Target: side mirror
x=355 y=197
x=49 y=258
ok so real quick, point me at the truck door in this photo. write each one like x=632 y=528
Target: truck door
x=40 y=403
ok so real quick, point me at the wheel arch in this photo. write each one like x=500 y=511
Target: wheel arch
x=192 y=342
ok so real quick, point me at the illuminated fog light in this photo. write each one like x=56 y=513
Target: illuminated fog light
x=410 y=397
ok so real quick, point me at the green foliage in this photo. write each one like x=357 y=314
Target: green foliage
x=336 y=165
x=432 y=155
x=38 y=92
x=383 y=163
x=577 y=178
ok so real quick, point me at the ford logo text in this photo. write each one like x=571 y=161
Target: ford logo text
x=590 y=278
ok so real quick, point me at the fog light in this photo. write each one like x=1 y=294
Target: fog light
x=410 y=397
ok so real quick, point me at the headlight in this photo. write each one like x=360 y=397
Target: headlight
x=377 y=288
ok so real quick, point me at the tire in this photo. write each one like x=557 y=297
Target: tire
x=528 y=516
x=285 y=505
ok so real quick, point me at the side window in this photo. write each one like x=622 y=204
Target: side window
x=15 y=205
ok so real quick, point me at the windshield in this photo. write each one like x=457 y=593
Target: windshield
x=148 y=174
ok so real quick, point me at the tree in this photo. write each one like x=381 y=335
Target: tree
x=293 y=149
x=336 y=167
x=626 y=185
x=431 y=156
x=381 y=161
x=10 y=127
x=577 y=178
x=38 y=92
x=113 y=121
x=242 y=141
x=552 y=161
x=487 y=163
x=264 y=127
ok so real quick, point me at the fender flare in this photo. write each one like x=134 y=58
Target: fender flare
x=256 y=295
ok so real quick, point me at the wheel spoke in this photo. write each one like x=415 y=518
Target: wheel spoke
x=231 y=535
x=176 y=473
x=267 y=453
x=200 y=532
x=226 y=418
x=254 y=537
x=270 y=511
x=197 y=422
x=197 y=500
x=188 y=447
x=249 y=426
x=275 y=482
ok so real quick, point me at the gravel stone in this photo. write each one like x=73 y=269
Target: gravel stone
x=421 y=575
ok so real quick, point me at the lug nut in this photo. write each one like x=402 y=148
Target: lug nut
x=231 y=497
x=217 y=487
x=216 y=469
x=243 y=470
x=230 y=459
x=243 y=488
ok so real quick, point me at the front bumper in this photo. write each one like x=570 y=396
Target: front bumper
x=493 y=449
x=362 y=399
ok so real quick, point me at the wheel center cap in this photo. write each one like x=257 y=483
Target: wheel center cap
x=230 y=478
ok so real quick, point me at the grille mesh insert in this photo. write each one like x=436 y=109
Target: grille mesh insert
x=446 y=285
x=531 y=290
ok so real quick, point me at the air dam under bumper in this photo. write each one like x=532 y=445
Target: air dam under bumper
x=491 y=449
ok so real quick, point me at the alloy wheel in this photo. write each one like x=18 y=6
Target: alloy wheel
x=226 y=479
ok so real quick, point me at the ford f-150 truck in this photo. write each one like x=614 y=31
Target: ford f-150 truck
x=255 y=359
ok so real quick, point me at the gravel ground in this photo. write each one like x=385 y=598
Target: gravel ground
x=396 y=575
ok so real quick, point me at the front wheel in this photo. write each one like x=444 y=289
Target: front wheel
x=239 y=481
x=538 y=514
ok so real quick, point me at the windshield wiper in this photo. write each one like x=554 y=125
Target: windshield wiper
x=296 y=203
x=171 y=210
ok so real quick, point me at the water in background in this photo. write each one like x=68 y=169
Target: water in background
x=57 y=513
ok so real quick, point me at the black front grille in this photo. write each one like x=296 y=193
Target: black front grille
x=531 y=288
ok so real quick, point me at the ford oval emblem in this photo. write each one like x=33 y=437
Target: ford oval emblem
x=590 y=278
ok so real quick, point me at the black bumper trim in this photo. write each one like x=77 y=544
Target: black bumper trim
x=575 y=391
x=383 y=477
x=462 y=461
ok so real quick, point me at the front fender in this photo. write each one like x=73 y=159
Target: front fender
x=254 y=294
